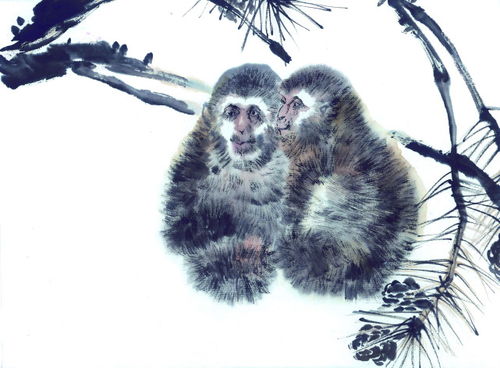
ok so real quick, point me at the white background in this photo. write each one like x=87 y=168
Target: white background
x=85 y=277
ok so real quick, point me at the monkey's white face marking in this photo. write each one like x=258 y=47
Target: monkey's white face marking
x=241 y=122
x=297 y=106
x=227 y=129
x=306 y=98
x=260 y=130
x=310 y=102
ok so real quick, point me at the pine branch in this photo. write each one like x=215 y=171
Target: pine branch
x=50 y=20
x=382 y=341
x=275 y=47
x=26 y=68
x=421 y=16
x=264 y=18
x=459 y=162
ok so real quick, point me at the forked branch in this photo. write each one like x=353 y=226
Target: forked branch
x=421 y=311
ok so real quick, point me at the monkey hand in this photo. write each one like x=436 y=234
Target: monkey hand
x=249 y=254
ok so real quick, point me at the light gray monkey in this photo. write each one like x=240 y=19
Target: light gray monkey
x=224 y=202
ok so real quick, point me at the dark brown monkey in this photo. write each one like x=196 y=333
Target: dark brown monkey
x=352 y=198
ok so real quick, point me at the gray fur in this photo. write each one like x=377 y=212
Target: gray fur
x=216 y=204
x=248 y=80
x=351 y=199
x=229 y=273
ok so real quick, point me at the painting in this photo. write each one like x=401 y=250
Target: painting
x=249 y=183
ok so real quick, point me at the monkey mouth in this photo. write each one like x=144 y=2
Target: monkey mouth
x=282 y=130
x=243 y=147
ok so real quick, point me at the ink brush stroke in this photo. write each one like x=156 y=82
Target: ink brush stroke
x=25 y=68
x=50 y=20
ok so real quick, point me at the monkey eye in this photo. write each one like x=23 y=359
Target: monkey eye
x=231 y=111
x=283 y=100
x=298 y=104
x=255 y=114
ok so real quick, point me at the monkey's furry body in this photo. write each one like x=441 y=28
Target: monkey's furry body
x=224 y=210
x=332 y=202
x=352 y=201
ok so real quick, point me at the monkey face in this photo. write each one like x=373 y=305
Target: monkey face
x=304 y=114
x=293 y=110
x=244 y=124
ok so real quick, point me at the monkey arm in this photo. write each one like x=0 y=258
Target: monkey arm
x=192 y=221
x=191 y=224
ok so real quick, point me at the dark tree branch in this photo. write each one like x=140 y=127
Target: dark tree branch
x=457 y=161
x=51 y=19
x=442 y=80
x=421 y=16
x=152 y=98
x=27 y=68
x=381 y=342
